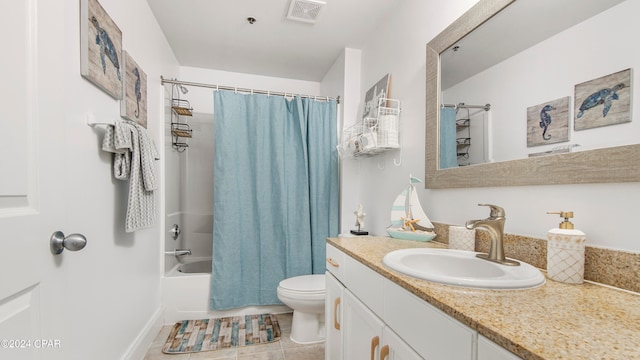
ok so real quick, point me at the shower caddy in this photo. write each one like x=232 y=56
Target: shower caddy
x=180 y=130
x=463 y=138
x=373 y=135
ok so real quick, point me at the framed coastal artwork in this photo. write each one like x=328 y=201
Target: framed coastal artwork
x=603 y=101
x=133 y=105
x=548 y=123
x=100 y=48
x=379 y=90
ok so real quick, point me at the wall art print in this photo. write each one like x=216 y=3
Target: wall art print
x=100 y=48
x=379 y=90
x=548 y=123
x=134 y=84
x=603 y=101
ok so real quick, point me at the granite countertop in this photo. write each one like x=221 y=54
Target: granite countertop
x=554 y=321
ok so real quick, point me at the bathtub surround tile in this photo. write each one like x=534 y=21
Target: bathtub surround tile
x=611 y=267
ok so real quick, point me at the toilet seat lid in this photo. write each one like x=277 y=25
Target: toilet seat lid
x=304 y=283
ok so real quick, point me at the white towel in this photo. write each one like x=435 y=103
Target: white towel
x=133 y=158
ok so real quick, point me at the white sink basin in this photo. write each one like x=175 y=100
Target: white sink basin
x=462 y=268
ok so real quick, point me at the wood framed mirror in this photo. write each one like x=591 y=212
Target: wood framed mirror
x=612 y=164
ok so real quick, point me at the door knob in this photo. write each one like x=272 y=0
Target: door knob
x=73 y=242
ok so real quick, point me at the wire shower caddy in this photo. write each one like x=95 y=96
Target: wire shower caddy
x=373 y=135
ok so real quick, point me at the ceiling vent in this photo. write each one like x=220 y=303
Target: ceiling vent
x=305 y=10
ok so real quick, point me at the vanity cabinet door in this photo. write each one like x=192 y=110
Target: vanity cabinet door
x=335 y=262
x=396 y=348
x=432 y=333
x=333 y=318
x=488 y=350
x=362 y=337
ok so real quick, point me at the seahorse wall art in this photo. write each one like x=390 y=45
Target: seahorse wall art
x=101 y=48
x=603 y=101
x=548 y=123
x=134 y=103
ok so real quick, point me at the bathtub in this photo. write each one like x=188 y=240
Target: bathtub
x=185 y=294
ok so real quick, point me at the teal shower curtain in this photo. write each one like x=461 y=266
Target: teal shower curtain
x=275 y=194
x=448 y=147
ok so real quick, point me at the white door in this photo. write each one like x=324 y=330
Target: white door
x=33 y=321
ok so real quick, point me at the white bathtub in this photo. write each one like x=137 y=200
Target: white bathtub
x=185 y=294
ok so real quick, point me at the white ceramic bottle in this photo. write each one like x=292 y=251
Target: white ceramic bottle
x=565 y=251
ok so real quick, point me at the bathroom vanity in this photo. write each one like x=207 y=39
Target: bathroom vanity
x=375 y=312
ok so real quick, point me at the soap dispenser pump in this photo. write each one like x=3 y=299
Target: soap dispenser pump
x=565 y=251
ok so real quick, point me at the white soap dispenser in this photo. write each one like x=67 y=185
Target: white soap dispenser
x=565 y=251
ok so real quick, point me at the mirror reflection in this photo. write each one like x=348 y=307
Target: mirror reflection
x=541 y=77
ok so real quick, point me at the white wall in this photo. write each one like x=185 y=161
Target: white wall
x=605 y=212
x=343 y=79
x=115 y=295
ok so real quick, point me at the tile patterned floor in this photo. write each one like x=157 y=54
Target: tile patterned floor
x=285 y=349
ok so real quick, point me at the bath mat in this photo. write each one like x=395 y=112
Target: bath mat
x=190 y=336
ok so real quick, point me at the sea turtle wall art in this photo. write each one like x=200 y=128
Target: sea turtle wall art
x=100 y=49
x=134 y=103
x=603 y=101
x=548 y=123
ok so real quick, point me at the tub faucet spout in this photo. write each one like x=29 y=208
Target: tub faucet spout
x=181 y=252
x=494 y=224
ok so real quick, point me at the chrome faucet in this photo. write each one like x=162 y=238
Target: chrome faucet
x=494 y=224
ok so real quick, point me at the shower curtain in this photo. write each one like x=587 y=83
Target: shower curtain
x=448 y=148
x=275 y=194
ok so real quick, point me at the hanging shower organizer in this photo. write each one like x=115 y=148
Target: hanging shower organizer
x=373 y=135
x=463 y=137
x=180 y=130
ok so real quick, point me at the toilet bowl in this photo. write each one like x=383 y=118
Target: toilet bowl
x=305 y=295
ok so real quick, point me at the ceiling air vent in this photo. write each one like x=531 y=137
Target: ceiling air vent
x=305 y=10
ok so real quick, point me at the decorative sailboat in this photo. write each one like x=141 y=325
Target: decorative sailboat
x=408 y=220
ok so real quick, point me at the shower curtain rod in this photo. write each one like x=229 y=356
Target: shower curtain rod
x=486 y=107
x=252 y=91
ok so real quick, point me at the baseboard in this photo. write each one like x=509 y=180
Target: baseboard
x=145 y=338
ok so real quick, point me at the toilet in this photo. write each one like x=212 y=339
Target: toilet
x=305 y=295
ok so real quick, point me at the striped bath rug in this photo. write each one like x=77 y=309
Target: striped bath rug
x=220 y=333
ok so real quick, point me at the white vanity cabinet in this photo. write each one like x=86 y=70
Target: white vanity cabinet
x=333 y=318
x=488 y=350
x=333 y=304
x=368 y=337
x=371 y=317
